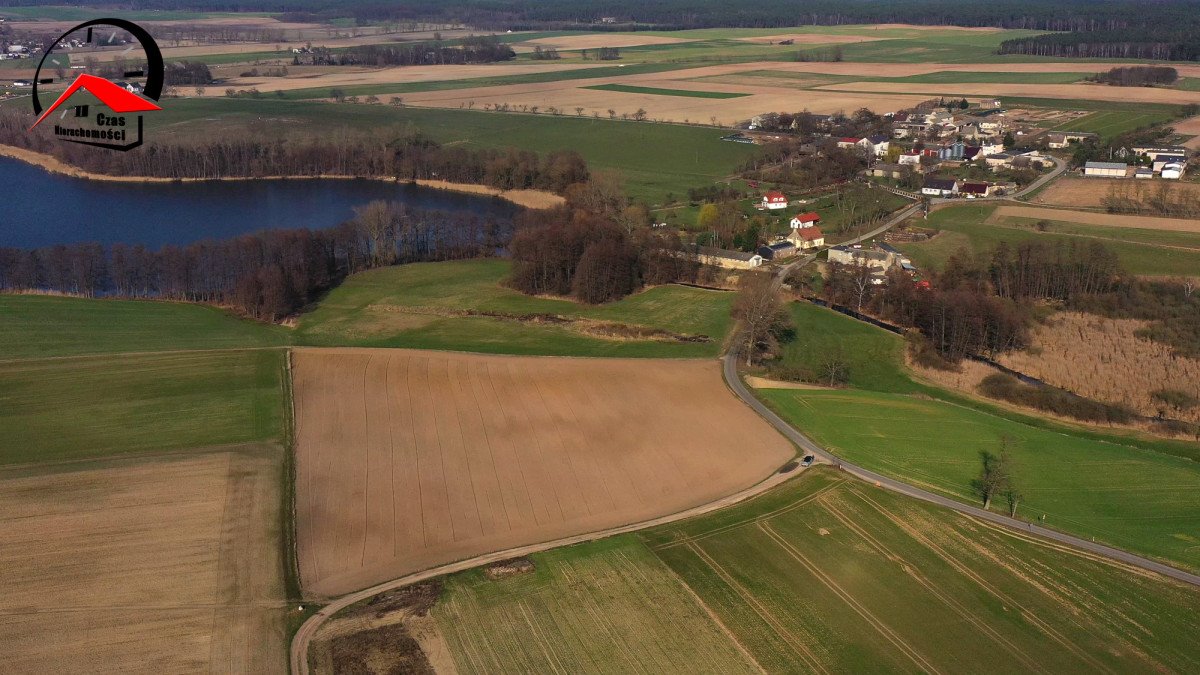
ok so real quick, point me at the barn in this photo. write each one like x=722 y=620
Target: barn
x=1107 y=169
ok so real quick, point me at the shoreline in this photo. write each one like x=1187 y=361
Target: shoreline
x=530 y=199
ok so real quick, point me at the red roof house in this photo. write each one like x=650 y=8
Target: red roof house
x=774 y=200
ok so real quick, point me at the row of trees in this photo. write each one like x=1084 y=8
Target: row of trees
x=267 y=275
x=400 y=153
x=1163 y=42
x=1174 y=200
x=1137 y=76
x=475 y=49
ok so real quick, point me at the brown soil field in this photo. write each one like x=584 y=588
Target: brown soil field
x=339 y=76
x=1091 y=92
x=907 y=69
x=565 y=42
x=1090 y=192
x=407 y=459
x=1190 y=126
x=167 y=564
x=1091 y=218
x=1103 y=359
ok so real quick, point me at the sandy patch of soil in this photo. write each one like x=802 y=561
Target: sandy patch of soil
x=1090 y=218
x=1190 y=126
x=766 y=383
x=166 y=564
x=407 y=459
x=532 y=199
x=1090 y=192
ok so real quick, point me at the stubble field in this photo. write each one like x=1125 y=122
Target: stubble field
x=169 y=564
x=407 y=459
x=1089 y=193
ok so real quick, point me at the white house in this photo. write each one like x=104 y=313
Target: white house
x=804 y=220
x=1161 y=161
x=909 y=159
x=774 y=200
x=876 y=145
x=940 y=187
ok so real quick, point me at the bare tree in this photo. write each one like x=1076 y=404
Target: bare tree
x=862 y=285
x=579 y=112
x=760 y=310
x=994 y=476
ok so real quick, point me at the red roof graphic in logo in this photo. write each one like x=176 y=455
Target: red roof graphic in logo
x=116 y=98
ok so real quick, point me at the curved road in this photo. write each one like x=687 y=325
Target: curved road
x=303 y=638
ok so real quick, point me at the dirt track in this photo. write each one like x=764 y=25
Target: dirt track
x=164 y=565
x=410 y=459
x=1106 y=219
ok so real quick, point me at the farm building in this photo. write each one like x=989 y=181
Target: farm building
x=1107 y=169
x=1173 y=171
x=774 y=200
x=990 y=103
x=1143 y=173
x=803 y=220
x=719 y=257
x=1162 y=161
x=882 y=261
x=778 y=250
x=940 y=187
x=910 y=159
x=885 y=170
x=1062 y=139
x=1153 y=152
x=807 y=238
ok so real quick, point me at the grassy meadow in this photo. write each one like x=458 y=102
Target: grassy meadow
x=1123 y=491
x=654 y=159
x=440 y=306
x=1141 y=251
x=821 y=574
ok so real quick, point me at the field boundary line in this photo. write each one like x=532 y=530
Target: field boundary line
x=161 y=352
x=965 y=570
x=790 y=638
x=712 y=615
x=875 y=622
x=912 y=570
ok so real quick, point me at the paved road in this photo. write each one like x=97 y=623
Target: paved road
x=739 y=388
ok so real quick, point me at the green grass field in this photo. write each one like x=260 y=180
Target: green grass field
x=1145 y=252
x=1114 y=123
x=96 y=406
x=38 y=326
x=821 y=574
x=423 y=306
x=655 y=159
x=1126 y=492
x=629 y=89
x=604 y=607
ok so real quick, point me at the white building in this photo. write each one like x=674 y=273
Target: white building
x=1106 y=169
x=1173 y=171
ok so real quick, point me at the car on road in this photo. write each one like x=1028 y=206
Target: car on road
x=808 y=460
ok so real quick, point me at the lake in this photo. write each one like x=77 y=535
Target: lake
x=39 y=208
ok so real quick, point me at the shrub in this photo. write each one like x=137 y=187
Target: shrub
x=1050 y=399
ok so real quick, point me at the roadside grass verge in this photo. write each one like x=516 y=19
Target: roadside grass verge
x=96 y=406
x=34 y=326
x=630 y=89
x=1141 y=251
x=439 y=306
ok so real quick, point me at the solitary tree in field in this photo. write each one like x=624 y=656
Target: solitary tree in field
x=398 y=101
x=994 y=476
x=579 y=112
x=338 y=95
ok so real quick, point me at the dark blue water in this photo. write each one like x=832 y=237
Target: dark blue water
x=38 y=208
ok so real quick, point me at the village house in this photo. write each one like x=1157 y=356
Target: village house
x=805 y=220
x=1106 y=169
x=990 y=103
x=807 y=238
x=774 y=200
x=876 y=145
x=940 y=187
x=975 y=189
x=1063 y=139
x=909 y=159
x=877 y=261
x=1173 y=171
x=999 y=160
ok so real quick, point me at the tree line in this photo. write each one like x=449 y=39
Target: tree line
x=401 y=153
x=1137 y=76
x=267 y=275
x=473 y=49
x=1177 y=41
